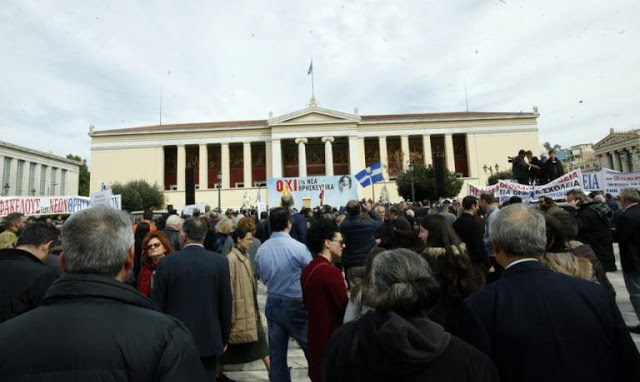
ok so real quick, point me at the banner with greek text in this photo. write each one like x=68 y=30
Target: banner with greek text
x=614 y=181
x=313 y=191
x=556 y=189
x=49 y=205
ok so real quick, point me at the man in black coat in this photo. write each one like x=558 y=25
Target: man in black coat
x=520 y=168
x=298 y=220
x=535 y=166
x=470 y=233
x=194 y=286
x=540 y=325
x=628 y=235
x=359 y=238
x=92 y=326
x=594 y=227
x=24 y=275
x=402 y=228
x=172 y=231
x=552 y=168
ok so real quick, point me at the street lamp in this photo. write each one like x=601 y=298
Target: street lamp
x=219 y=191
x=413 y=191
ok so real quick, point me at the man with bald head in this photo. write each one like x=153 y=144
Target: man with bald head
x=298 y=221
x=539 y=325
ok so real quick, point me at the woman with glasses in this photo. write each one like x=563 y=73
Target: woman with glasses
x=154 y=247
x=323 y=290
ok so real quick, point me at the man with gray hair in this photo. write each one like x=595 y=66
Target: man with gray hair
x=172 y=231
x=628 y=235
x=540 y=325
x=92 y=325
x=194 y=285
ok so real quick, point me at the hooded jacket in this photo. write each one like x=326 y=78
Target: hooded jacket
x=384 y=346
x=93 y=328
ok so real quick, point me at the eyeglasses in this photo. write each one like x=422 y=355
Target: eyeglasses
x=154 y=245
x=341 y=242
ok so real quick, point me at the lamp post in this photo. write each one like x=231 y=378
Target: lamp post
x=219 y=191
x=413 y=191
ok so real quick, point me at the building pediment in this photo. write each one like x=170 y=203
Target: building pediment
x=313 y=115
x=616 y=138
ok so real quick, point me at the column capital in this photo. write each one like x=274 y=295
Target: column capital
x=328 y=139
x=301 y=140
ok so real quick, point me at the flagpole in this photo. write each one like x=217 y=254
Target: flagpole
x=313 y=89
x=373 y=190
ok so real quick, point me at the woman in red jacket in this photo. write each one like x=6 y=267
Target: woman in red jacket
x=323 y=290
x=154 y=246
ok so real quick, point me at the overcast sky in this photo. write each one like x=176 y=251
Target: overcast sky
x=70 y=64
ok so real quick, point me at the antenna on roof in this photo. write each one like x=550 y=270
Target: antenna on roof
x=466 y=100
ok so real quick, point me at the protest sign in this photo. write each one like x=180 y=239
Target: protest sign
x=101 y=198
x=614 y=181
x=318 y=190
x=49 y=205
x=478 y=190
x=188 y=210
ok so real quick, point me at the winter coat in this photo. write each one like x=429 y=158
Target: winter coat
x=244 y=328
x=24 y=279
x=173 y=235
x=585 y=251
x=628 y=234
x=95 y=328
x=145 y=278
x=384 y=346
x=594 y=229
x=359 y=238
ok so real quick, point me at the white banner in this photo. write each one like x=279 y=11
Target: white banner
x=556 y=189
x=188 y=210
x=49 y=205
x=614 y=181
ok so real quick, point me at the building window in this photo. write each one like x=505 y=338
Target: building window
x=6 y=176
x=32 y=179
x=63 y=182
x=19 y=177
x=43 y=179
x=54 y=175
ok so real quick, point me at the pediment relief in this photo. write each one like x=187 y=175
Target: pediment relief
x=615 y=139
x=313 y=115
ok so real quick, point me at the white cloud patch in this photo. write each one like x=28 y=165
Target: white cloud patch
x=69 y=64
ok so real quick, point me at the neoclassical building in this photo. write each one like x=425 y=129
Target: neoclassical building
x=29 y=172
x=619 y=151
x=239 y=156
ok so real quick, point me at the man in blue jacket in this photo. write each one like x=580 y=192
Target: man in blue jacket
x=359 y=238
x=540 y=325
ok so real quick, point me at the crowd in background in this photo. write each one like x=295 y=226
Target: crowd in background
x=469 y=289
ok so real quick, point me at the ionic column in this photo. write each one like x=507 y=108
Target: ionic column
x=448 y=152
x=159 y=166
x=472 y=156
x=302 y=156
x=384 y=160
x=276 y=158
x=406 y=153
x=246 y=161
x=203 y=169
x=225 y=165
x=356 y=154
x=426 y=150
x=182 y=164
x=328 y=155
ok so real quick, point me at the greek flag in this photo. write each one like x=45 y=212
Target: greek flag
x=371 y=174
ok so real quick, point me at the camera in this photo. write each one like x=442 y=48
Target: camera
x=510 y=159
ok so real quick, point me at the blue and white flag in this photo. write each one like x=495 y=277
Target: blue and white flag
x=371 y=174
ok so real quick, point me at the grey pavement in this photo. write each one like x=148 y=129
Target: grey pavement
x=255 y=371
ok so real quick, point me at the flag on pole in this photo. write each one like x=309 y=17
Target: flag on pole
x=371 y=174
x=103 y=187
x=310 y=68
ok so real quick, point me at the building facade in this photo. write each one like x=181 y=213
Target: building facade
x=619 y=151
x=28 y=172
x=239 y=156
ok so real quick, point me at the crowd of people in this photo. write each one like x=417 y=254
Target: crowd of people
x=469 y=290
x=529 y=169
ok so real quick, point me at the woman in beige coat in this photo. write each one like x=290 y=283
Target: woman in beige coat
x=247 y=341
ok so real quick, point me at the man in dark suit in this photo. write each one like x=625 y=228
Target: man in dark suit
x=539 y=325
x=520 y=168
x=194 y=286
x=628 y=235
x=359 y=238
x=470 y=232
